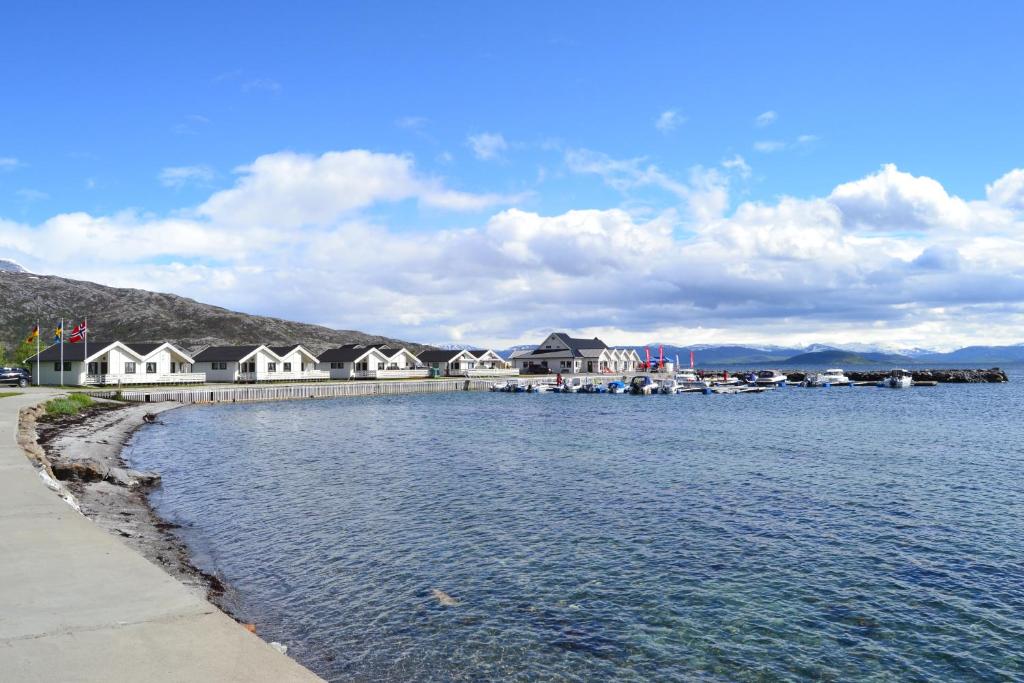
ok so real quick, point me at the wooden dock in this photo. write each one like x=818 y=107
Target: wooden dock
x=289 y=392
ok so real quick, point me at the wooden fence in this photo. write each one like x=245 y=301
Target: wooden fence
x=287 y=392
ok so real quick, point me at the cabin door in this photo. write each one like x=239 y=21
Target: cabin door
x=590 y=366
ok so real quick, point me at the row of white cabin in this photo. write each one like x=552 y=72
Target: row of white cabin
x=112 y=363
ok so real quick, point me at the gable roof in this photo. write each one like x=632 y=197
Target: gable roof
x=578 y=344
x=225 y=353
x=440 y=355
x=73 y=352
x=348 y=353
x=282 y=351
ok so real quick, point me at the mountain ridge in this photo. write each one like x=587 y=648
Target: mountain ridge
x=140 y=315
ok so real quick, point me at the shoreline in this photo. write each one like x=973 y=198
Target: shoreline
x=79 y=449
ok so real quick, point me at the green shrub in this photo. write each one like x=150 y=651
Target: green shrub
x=68 y=405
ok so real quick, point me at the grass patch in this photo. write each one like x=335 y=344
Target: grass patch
x=70 y=405
x=5 y=394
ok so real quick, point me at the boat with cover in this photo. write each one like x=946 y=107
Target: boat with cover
x=769 y=378
x=833 y=377
x=898 y=379
x=643 y=385
x=616 y=387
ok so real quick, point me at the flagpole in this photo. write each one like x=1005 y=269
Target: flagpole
x=85 y=359
x=62 y=352
x=39 y=365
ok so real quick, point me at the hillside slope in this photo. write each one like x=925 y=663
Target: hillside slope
x=139 y=315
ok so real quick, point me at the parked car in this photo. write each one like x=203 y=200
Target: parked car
x=15 y=377
x=535 y=370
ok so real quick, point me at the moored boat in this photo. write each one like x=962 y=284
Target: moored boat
x=769 y=378
x=898 y=379
x=832 y=377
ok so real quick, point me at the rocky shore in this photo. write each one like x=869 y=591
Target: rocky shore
x=83 y=455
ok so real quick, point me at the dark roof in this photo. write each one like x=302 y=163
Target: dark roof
x=76 y=351
x=576 y=344
x=143 y=348
x=344 y=353
x=438 y=355
x=71 y=351
x=284 y=350
x=224 y=353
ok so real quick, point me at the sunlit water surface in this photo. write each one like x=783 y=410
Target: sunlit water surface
x=816 y=534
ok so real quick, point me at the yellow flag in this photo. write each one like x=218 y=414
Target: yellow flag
x=33 y=335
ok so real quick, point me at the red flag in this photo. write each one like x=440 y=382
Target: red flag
x=691 y=359
x=78 y=334
x=648 y=364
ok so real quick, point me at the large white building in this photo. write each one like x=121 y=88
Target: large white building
x=560 y=353
x=111 y=363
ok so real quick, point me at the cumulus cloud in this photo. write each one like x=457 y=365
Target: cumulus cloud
x=287 y=189
x=1008 y=191
x=179 y=176
x=765 y=119
x=890 y=256
x=769 y=146
x=8 y=163
x=893 y=200
x=487 y=146
x=668 y=121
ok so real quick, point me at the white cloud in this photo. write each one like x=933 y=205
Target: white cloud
x=487 y=146
x=668 y=121
x=1008 y=191
x=739 y=164
x=890 y=256
x=411 y=122
x=8 y=163
x=892 y=200
x=30 y=195
x=179 y=176
x=769 y=146
x=290 y=190
x=765 y=119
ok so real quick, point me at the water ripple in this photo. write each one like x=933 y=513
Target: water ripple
x=809 y=535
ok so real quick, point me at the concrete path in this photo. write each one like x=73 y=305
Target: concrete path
x=78 y=605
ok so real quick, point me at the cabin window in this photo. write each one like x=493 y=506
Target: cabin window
x=129 y=368
x=218 y=366
x=337 y=365
x=271 y=367
x=94 y=368
x=287 y=367
x=150 y=368
x=56 y=366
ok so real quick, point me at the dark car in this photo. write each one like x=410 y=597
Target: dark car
x=15 y=377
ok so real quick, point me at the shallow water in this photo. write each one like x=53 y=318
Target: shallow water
x=815 y=534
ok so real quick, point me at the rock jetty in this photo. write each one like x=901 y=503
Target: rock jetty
x=968 y=376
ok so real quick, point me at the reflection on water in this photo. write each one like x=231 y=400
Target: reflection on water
x=804 y=534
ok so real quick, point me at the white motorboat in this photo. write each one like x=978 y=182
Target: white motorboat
x=833 y=377
x=769 y=378
x=668 y=386
x=688 y=379
x=572 y=385
x=898 y=379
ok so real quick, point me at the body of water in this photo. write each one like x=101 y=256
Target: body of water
x=803 y=534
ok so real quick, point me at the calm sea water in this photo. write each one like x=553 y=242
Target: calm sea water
x=804 y=534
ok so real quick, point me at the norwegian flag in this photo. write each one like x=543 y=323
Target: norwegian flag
x=79 y=333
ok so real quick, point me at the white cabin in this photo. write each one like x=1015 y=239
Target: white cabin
x=113 y=363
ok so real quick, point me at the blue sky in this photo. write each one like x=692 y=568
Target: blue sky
x=669 y=117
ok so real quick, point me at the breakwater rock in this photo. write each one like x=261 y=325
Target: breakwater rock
x=951 y=376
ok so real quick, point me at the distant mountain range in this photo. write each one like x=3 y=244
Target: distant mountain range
x=706 y=355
